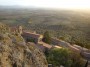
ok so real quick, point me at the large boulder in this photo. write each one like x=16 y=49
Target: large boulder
x=20 y=54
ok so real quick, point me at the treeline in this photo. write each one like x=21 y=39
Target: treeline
x=73 y=35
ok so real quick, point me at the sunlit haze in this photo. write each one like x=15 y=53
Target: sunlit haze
x=67 y=4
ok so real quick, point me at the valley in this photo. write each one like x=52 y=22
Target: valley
x=69 y=25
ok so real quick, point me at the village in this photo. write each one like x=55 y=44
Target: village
x=56 y=43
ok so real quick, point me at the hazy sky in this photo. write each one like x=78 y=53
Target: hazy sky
x=79 y=4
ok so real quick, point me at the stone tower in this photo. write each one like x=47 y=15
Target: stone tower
x=20 y=29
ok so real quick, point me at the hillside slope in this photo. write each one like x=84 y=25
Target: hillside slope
x=14 y=52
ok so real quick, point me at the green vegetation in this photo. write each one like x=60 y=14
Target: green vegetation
x=47 y=38
x=71 y=26
x=64 y=57
x=30 y=40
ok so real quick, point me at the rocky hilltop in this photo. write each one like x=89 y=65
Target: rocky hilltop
x=14 y=52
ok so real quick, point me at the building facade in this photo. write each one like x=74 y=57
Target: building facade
x=32 y=37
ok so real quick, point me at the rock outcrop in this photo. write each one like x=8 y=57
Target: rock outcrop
x=14 y=52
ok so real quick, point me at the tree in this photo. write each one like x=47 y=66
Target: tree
x=59 y=57
x=47 y=38
x=78 y=61
x=65 y=57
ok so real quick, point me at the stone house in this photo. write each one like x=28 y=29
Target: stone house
x=28 y=36
x=32 y=37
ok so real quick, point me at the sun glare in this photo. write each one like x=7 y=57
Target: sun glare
x=82 y=4
x=67 y=4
